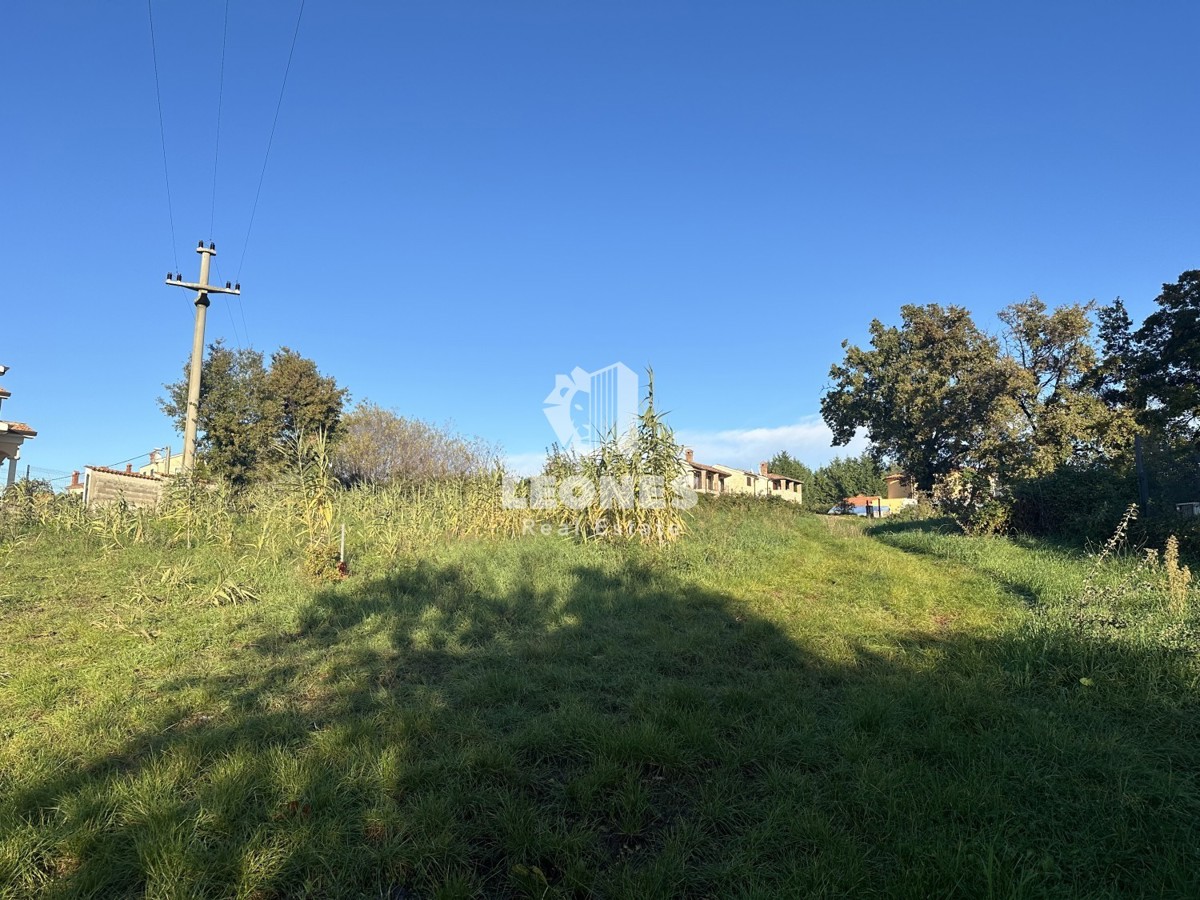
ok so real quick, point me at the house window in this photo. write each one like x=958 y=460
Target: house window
x=747 y=481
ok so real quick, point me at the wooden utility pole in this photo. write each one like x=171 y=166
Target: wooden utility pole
x=202 y=289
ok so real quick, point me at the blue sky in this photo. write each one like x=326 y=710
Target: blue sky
x=464 y=199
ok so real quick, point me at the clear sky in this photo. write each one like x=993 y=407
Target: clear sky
x=464 y=199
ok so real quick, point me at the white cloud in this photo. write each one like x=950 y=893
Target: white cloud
x=808 y=440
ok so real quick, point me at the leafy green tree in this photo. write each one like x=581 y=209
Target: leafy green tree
x=934 y=394
x=306 y=401
x=1115 y=378
x=1167 y=359
x=783 y=463
x=235 y=427
x=844 y=477
x=1061 y=418
x=247 y=410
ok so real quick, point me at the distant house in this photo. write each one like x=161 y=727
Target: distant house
x=719 y=479
x=160 y=464
x=739 y=481
x=791 y=489
x=12 y=436
x=900 y=487
x=75 y=488
x=704 y=479
x=859 y=505
x=872 y=505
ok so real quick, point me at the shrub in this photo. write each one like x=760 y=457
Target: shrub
x=971 y=498
x=1076 y=502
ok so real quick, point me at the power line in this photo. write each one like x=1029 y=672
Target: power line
x=270 y=140
x=212 y=217
x=162 y=133
x=245 y=330
x=131 y=459
x=229 y=310
x=43 y=472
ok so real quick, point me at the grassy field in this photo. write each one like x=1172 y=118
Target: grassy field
x=780 y=705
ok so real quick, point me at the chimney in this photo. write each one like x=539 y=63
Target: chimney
x=129 y=468
x=74 y=479
x=688 y=454
x=762 y=467
x=153 y=457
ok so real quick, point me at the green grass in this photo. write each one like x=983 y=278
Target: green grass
x=780 y=705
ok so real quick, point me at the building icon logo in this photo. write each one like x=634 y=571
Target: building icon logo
x=585 y=408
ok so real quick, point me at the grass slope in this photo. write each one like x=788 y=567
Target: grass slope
x=782 y=705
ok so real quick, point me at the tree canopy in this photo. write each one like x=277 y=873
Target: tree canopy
x=783 y=463
x=1166 y=358
x=844 y=477
x=938 y=395
x=933 y=394
x=1062 y=418
x=247 y=408
x=379 y=446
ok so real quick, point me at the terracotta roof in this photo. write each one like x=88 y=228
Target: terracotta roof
x=5 y=391
x=862 y=499
x=109 y=471
x=18 y=428
x=784 y=477
x=700 y=467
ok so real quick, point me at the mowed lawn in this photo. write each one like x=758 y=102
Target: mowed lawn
x=783 y=705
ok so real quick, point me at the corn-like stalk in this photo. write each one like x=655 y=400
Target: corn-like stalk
x=639 y=464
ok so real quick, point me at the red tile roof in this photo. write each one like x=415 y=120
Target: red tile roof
x=5 y=391
x=862 y=499
x=18 y=428
x=109 y=471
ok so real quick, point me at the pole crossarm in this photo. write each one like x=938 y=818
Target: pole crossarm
x=203 y=288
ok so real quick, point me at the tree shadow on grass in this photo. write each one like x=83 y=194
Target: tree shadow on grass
x=612 y=731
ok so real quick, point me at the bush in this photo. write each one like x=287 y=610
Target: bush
x=1075 y=502
x=971 y=499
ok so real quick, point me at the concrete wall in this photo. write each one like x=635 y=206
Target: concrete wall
x=104 y=486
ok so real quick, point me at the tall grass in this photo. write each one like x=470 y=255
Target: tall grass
x=295 y=520
x=770 y=708
x=635 y=486
x=1118 y=619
